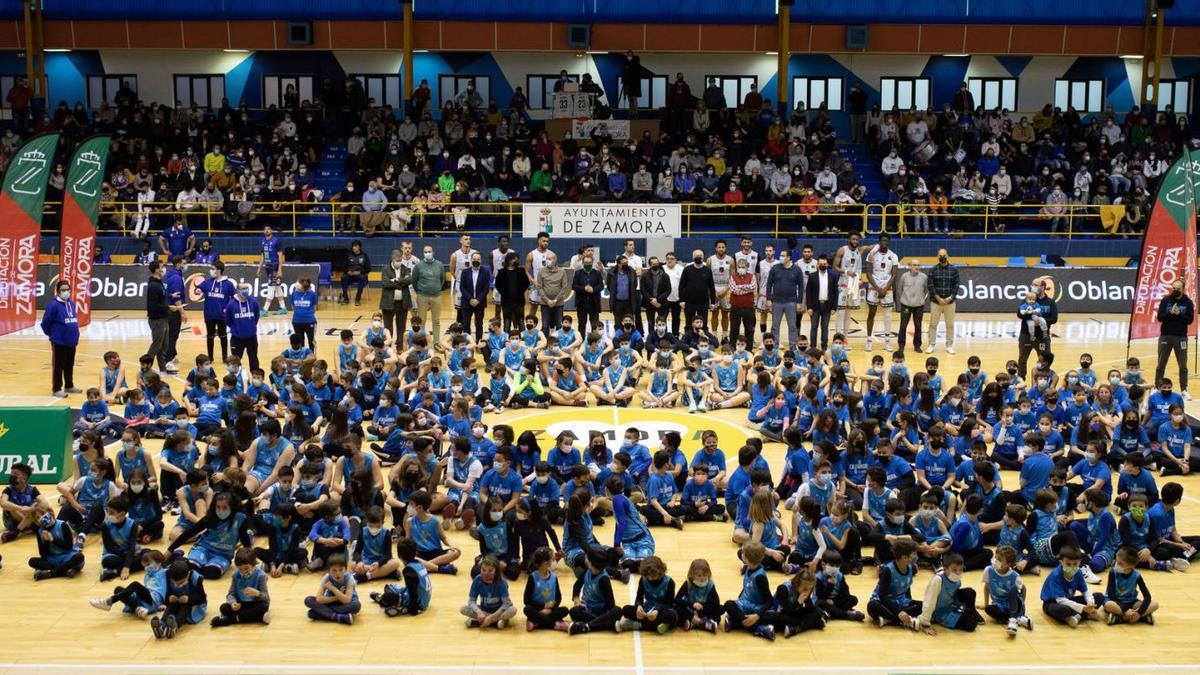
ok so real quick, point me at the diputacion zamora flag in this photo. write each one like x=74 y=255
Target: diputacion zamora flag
x=81 y=208
x=21 y=199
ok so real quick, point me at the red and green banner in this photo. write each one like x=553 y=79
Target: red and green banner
x=81 y=207
x=21 y=200
x=1169 y=246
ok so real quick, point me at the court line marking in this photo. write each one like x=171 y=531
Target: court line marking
x=638 y=663
x=393 y=668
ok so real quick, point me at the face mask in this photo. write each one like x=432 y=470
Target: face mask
x=1069 y=571
x=897 y=519
x=65 y=295
x=1137 y=511
x=542 y=480
x=927 y=512
x=223 y=513
x=308 y=483
x=477 y=432
x=955 y=401
x=137 y=488
x=954 y=578
x=377 y=323
x=1090 y=457
x=825 y=477
x=1044 y=428
x=111 y=520
x=93 y=475
x=46 y=521
x=429 y=255
x=698 y=260
x=497 y=515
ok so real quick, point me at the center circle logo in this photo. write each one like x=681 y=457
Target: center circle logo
x=612 y=423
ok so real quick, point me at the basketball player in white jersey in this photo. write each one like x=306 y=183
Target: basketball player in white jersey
x=498 y=255
x=881 y=277
x=807 y=264
x=763 y=269
x=747 y=253
x=534 y=262
x=459 y=261
x=847 y=262
x=722 y=269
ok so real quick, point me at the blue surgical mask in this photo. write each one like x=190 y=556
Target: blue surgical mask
x=223 y=513
x=46 y=521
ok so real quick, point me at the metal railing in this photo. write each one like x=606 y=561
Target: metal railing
x=332 y=219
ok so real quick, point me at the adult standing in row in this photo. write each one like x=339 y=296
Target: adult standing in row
x=498 y=256
x=696 y=289
x=1041 y=341
x=535 y=262
x=820 y=299
x=474 y=286
x=428 y=276
x=173 y=282
x=943 y=294
x=554 y=289
x=217 y=290
x=674 y=271
x=358 y=269
x=623 y=293
x=912 y=292
x=242 y=316
x=395 y=297
x=157 y=312
x=460 y=260
x=511 y=284
x=588 y=284
x=1175 y=312
x=656 y=290
x=785 y=288
x=742 y=291
x=61 y=324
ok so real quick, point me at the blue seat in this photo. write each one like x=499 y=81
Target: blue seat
x=1016 y=261
x=325 y=278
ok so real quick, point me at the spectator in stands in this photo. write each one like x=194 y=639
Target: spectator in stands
x=679 y=101
x=374 y=202
x=19 y=98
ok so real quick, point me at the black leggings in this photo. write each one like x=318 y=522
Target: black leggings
x=215 y=329
x=891 y=615
x=665 y=616
x=800 y=621
x=840 y=606
x=546 y=621
x=735 y=615
x=606 y=620
x=970 y=617
x=135 y=594
x=75 y=561
x=308 y=331
x=296 y=556
x=249 y=612
x=687 y=612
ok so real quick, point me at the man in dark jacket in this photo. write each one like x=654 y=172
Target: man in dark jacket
x=475 y=284
x=174 y=285
x=656 y=288
x=1028 y=344
x=1175 y=312
x=623 y=292
x=588 y=283
x=696 y=289
x=157 y=311
x=820 y=299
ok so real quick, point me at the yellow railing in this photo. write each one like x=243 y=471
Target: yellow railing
x=778 y=220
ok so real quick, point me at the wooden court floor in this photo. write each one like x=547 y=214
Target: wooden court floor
x=49 y=627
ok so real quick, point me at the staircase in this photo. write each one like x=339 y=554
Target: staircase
x=867 y=169
x=331 y=179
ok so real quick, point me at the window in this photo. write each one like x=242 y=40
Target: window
x=104 y=88
x=813 y=91
x=205 y=91
x=735 y=87
x=654 y=93
x=451 y=85
x=539 y=89
x=903 y=93
x=1175 y=93
x=1086 y=96
x=275 y=88
x=385 y=89
x=994 y=92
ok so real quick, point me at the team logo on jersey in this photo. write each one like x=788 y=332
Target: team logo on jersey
x=612 y=423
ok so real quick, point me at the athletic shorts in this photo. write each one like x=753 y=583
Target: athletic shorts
x=722 y=302
x=874 y=298
x=760 y=303
x=272 y=276
x=849 y=296
x=204 y=558
x=431 y=554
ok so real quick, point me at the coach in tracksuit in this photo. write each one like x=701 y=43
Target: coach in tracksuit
x=61 y=325
x=173 y=282
x=241 y=315
x=217 y=290
x=1175 y=312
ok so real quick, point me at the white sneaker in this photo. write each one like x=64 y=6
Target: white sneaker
x=869 y=346
x=1180 y=564
x=1186 y=395
x=101 y=603
x=1012 y=628
x=1073 y=621
x=929 y=349
x=141 y=612
x=1088 y=575
x=949 y=349
x=887 y=345
x=1025 y=622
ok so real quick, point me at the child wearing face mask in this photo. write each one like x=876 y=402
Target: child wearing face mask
x=145 y=509
x=1128 y=596
x=947 y=602
x=18 y=503
x=58 y=555
x=1174 y=454
x=1004 y=593
x=372 y=552
x=497 y=540
x=217 y=536
x=1065 y=595
x=833 y=595
x=488 y=601
x=248 y=599
x=143 y=598
x=120 y=535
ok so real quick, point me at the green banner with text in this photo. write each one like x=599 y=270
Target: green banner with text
x=39 y=437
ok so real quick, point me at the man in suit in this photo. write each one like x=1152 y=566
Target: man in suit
x=475 y=283
x=656 y=288
x=588 y=283
x=820 y=299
